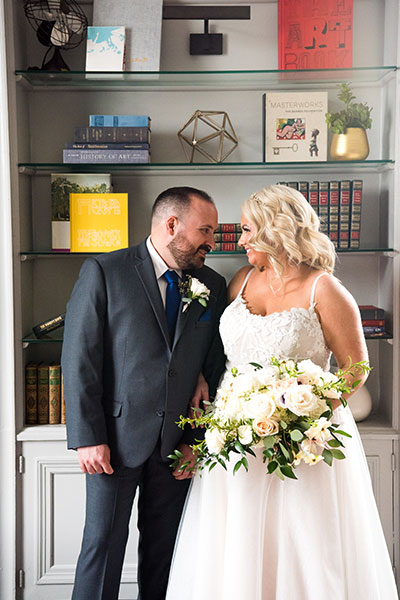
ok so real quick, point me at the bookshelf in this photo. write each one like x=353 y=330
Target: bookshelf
x=46 y=107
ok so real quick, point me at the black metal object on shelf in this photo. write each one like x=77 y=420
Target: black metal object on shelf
x=206 y=43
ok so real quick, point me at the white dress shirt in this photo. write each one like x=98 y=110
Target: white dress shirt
x=160 y=267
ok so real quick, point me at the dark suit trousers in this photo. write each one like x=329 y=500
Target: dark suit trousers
x=109 y=500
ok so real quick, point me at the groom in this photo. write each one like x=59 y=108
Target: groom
x=132 y=363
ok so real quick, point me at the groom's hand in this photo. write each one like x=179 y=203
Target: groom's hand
x=188 y=457
x=95 y=459
x=200 y=396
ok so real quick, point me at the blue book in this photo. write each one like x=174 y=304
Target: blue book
x=119 y=121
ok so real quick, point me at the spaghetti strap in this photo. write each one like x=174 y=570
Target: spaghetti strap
x=245 y=281
x=312 y=303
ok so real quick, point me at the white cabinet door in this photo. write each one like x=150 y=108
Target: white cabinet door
x=379 y=458
x=53 y=501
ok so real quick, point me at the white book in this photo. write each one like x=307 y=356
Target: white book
x=294 y=126
x=105 y=48
x=142 y=21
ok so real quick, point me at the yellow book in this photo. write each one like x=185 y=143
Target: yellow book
x=99 y=222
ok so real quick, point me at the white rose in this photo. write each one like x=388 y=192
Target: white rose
x=245 y=382
x=233 y=407
x=300 y=399
x=198 y=288
x=245 y=434
x=320 y=407
x=259 y=405
x=265 y=376
x=311 y=373
x=264 y=427
x=215 y=440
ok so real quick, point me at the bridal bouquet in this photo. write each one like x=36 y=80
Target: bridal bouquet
x=284 y=408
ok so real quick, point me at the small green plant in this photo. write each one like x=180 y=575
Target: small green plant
x=355 y=114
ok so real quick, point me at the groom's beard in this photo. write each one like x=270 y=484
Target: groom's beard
x=186 y=255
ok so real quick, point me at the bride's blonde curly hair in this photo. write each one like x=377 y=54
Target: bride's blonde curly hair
x=285 y=222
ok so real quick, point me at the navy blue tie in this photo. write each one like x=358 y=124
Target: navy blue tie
x=172 y=301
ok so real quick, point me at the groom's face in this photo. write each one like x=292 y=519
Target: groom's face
x=195 y=234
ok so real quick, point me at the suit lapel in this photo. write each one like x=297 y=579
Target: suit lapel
x=147 y=276
x=192 y=313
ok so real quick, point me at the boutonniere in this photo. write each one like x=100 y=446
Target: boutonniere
x=193 y=289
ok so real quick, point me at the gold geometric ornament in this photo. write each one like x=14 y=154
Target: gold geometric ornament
x=215 y=146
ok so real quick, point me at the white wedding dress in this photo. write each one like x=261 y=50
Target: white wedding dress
x=251 y=536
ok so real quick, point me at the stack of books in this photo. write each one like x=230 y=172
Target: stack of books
x=111 y=139
x=338 y=205
x=227 y=236
x=373 y=320
x=44 y=394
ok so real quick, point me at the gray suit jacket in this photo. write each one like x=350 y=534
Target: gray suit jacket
x=124 y=385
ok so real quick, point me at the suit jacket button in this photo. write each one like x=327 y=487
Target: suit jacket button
x=160 y=413
x=171 y=373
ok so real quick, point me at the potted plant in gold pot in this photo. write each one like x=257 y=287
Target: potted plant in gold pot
x=349 y=140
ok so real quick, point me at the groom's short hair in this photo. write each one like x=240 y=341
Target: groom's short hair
x=176 y=199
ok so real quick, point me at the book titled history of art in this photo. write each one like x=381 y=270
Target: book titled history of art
x=62 y=185
x=105 y=48
x=142 y=22
x=99 y=222
x=315 y=35
x=294 y=126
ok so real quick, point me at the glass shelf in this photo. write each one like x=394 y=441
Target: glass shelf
x=31 y=254
x=259 y=79
x=193 y=168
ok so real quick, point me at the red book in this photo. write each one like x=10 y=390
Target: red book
x=315 y=35
x=373 y=322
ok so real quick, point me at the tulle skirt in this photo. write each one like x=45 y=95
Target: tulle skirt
x=251 y=536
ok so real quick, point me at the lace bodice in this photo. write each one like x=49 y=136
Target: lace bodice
x=294 y=333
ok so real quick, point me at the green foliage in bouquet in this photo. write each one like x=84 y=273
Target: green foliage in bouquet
x=355 y=114
x=283 y=409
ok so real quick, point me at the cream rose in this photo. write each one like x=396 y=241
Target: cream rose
x=215 y=440
x=234 y=407
x=300 y=399
x=264 y=427
x=261 y=405
x=245 y=434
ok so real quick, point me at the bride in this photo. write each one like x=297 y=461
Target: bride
x=251 y=536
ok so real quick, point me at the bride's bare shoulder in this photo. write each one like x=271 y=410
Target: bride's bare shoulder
x=237 y=282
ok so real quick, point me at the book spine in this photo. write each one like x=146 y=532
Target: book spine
x=43 y=394
x=344 y=213
x=373 y=322
x=371 y=312
x=334 y=212
x=106 y=156
x=228 y=247
x=119 y=121
x=324 y=206
x=54 y=394
x=303 y=188
x=47 y=326
x=374 y=330
x=264 y=126
x=31 y=394
x=63 y=419
x=293 y=184
x=228 y=228
x=314 y=195
x=355 y=212
x=112 y=134
x=227 y=237
x=110 y=146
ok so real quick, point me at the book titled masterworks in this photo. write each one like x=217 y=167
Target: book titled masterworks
x=315 y=35
x=294 y=126
x=99 y=222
